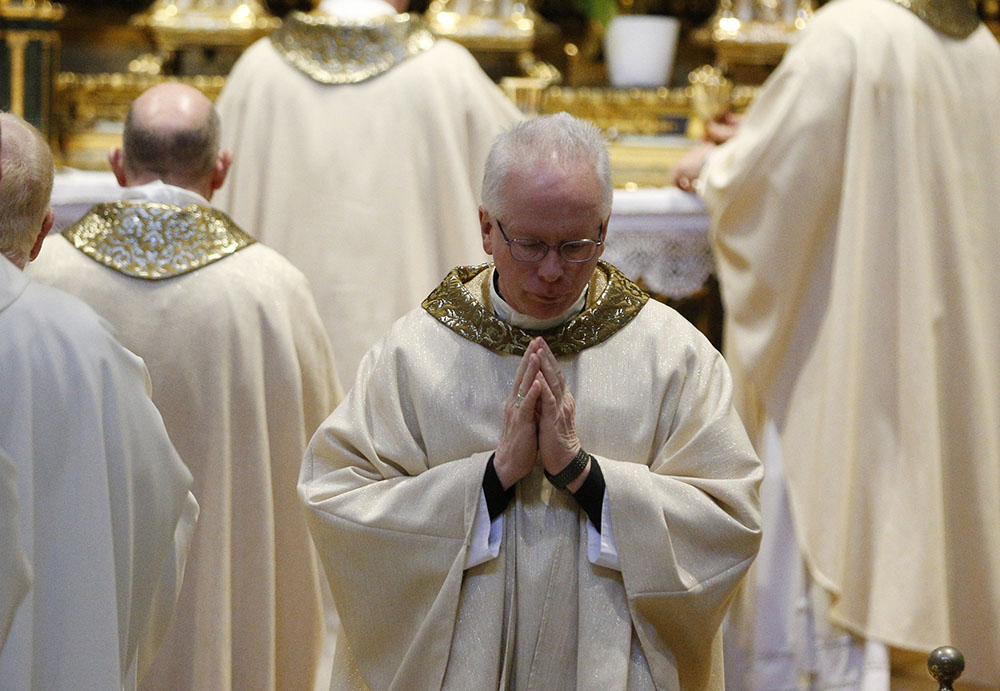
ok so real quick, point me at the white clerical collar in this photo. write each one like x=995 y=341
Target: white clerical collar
x=357 y=10
x=523 y=321
x=163 y=193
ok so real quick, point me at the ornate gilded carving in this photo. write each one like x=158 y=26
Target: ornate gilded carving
x=956 y=18
x=485 y=26
x=460 y=304
x=337 y=52
x=155 y=241
x=40 y=10
x=29 y=58
x=193 y=24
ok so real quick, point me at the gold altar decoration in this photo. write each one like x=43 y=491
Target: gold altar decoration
x=176 y=25
x=484 y=24
x=711 y=97
x=638 y=112
x=648 y=130
x=754 y=32
x=31 y=9
x=30 y=59
x=500 y=33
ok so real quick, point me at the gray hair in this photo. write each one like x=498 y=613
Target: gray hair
x=180 y=155
x=558 y=139
x=25 y=187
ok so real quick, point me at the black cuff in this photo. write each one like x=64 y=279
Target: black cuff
x=497 y=497
x=590 y=496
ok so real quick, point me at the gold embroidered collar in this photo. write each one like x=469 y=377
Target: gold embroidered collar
x=334 y=51
x=462 y=303
x=152 y=240
x=955 y=18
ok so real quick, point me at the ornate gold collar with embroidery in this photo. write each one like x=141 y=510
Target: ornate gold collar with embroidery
x=152 y=240
x=333 y=51
x=955 y=18
x=461 y=302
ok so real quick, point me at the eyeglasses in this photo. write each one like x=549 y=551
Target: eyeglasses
x=531 y=251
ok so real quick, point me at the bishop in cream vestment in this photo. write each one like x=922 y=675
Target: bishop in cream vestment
x=243 y=374
x=358 y=143
x=855 y=217
x=393 y=483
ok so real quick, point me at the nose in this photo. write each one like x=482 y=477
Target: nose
x=550 y=269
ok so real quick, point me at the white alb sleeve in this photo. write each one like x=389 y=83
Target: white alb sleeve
x=601 y=548
x=486 y=534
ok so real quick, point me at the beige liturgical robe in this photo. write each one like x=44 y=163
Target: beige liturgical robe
x=855 y=218
x=371 y=188
x=393 y=479
x=243 y=374
x=106 y=512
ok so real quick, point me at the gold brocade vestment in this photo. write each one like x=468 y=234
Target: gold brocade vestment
x=153 y=240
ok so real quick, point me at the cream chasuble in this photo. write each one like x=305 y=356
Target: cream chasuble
x=106 y=514
x=855 y=218
x=393 y=479
x=358 y=151
x=243 y=374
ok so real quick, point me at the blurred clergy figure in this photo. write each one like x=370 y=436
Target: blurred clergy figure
x=243 y=373
x=105 y=509
x=855 y=218
x=359 y=143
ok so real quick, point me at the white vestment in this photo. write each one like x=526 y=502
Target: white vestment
x=243 y=373
x=393 y=481
x=370 y=188
x=106 y=512
x=15 y=572
x=855 y=223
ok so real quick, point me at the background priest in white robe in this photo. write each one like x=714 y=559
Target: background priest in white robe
x=359 y=143
x=106 y=512
x=243 y=373
x=538 y=479
x=855 y=219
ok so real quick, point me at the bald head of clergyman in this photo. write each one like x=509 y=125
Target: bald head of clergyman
x=172 y=134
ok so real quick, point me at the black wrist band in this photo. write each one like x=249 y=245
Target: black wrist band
x=497 y=498
x=571 y=471
x=590 y=494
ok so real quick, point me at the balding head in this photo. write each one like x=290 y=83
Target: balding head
x=171 y=134
x=25 y=189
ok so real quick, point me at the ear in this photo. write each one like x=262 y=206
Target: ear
x=486 y=228
x=117 y=161
x=604 y=237
x=50 y=218
x=221 y=168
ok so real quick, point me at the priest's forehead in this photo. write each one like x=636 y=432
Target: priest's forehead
x=565 y=202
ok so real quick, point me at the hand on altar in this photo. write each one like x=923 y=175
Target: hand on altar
x=689 y=167
x=724 y=128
